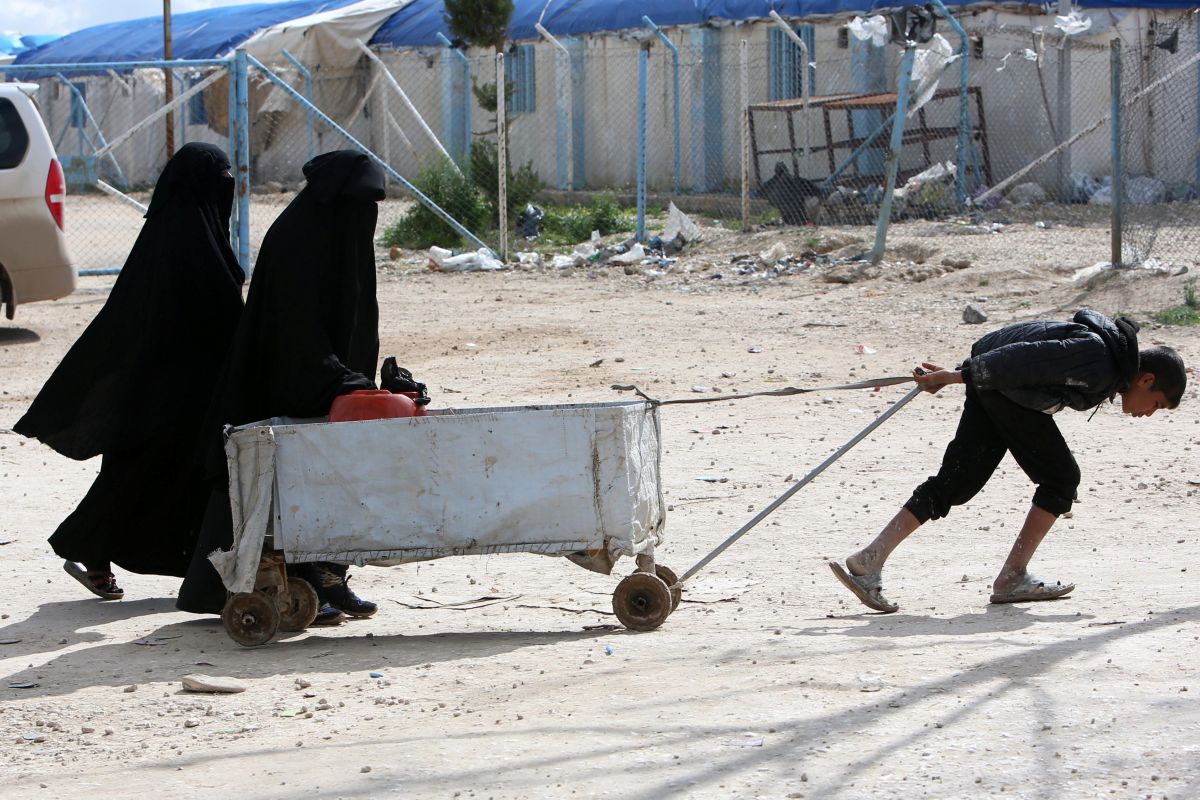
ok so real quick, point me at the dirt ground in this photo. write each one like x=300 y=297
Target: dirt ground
x=770 y=680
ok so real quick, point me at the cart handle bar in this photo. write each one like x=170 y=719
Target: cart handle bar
x=787 y=391
x=800 y=484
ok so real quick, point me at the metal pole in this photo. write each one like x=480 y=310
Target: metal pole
x=408 y=103
x=325 y=118
x=502 y=151
x=745 y=127
x=466 y=92
x=800 y=484
x=308 y=95
x=1118 y=185
x=893 y=157
x=643 y=80
x=806 y=87
x=1063 y=121
x=104 y=149
x=170 y=88
x=964 y=108
x=242 y=161
x=565 y=112
x=195 y=89
x=677 y=105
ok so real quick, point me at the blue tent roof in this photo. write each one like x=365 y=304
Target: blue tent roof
x=211 y=33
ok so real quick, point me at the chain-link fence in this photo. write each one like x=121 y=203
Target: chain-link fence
x=743 y=125
x=1159 y=147
x=111 y=134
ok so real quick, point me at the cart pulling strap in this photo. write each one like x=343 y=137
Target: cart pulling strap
x=787 y=391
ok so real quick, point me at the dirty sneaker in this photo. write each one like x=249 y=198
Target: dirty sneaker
x=327 y=615
x=334 y=589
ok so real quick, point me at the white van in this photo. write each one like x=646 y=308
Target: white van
x=34 y=263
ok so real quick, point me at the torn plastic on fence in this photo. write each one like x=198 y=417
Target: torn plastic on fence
x=442 y=260
x=873 y=29
x=1073 y=24
x=928 y=66
x=1027 y=54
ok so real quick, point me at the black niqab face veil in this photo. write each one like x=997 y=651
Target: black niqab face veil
x=146 y=363
x=311 y=328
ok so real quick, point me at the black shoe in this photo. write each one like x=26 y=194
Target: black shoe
x=327 y=615
x=334 y=589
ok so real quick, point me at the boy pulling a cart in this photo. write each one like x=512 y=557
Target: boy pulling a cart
x=1016 y=379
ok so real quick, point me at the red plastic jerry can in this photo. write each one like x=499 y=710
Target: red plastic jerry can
x=367 y=404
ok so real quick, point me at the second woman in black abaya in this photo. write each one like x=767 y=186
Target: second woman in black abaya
x=310 y=333
x=135 y=386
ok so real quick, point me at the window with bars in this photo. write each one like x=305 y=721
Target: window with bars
x=522 y=79
x=785 y=63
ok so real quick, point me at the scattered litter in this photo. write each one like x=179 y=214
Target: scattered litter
x=428 y=604
x=529 y=221
x=758 y=348
x=711 y=479
x=531 y=259
x=566 y=262
x=292 y=712
x=212 y=684
x=608 y=650
x=596 y=363
x=701 y=389
x=1027 y=194
x=7 y=541
x=443 y=260
x=1104 y=624
x=680 y=226
x=9 y=641
x=375 y=674
x=155 y=641
x=773 y=254
x=634 y=255
x=22 y=684
x=603 y=627
x=744 y=743
x=864 y=350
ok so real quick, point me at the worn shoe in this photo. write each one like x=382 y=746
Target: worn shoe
x=327 y=615
x=335 y=590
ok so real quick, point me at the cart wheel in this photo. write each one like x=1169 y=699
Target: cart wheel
x=250 y=618
x=672 y=582
x=302 y=606
x=642 y=601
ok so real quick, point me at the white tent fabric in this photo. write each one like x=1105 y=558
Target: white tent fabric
x=326 y=38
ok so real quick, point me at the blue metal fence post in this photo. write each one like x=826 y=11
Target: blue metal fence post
x=308 y=95
x=1118 y=185
x=242 y=161
x=677 y=104
x=456 y=102
x=964 y=108
x=643 y=79
x=893 y=156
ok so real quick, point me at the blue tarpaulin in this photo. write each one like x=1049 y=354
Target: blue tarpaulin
x=212 y=33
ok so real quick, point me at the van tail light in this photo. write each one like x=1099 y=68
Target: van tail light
x=56 y=192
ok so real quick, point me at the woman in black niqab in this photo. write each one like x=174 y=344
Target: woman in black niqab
x=135 y=387
x=309 y=334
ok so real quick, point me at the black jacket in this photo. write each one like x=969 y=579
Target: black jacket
x=1048 y=365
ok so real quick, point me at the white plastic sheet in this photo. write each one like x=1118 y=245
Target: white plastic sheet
x=580 y=481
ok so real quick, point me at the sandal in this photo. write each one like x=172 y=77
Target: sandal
x=1032 y=589
x=867 y=588
x=102 y=584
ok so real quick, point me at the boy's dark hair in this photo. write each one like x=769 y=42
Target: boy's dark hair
x=1167 y=368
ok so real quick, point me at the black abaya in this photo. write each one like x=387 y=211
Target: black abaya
x=136 y=385
x=309 y=334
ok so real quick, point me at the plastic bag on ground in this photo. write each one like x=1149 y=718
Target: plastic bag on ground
x=633 y=256
x=680 y=224
x=481 y=260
